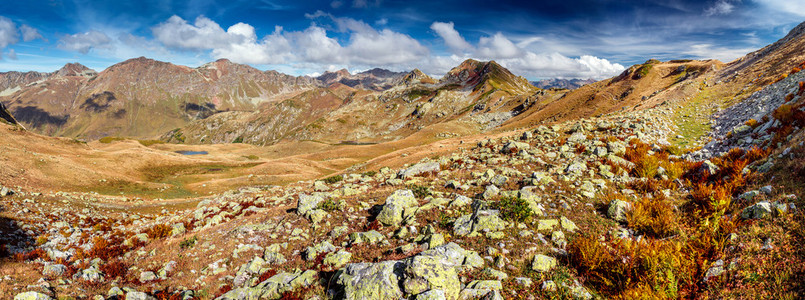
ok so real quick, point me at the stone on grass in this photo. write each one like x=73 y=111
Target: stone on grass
x=543 y=263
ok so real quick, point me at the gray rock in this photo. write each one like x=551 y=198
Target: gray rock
x=618 y=209
x=307 y=204
x=431 y=295
x=395 y=206
x=32 y=296
x=324 y=247
x=758 y=211
x=54 y=270
x=147 y=276
x=576 y=138
x=490 y=191
x=543 y=263
x=512 y=146
x=420 y=168
x=372 y=280
x=616 y=148
x=134 y=295
x=4 y=191
x=427 y=272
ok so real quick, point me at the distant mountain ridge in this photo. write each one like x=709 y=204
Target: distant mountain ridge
x=557 y=83
x=375 y=79
x=138 y=97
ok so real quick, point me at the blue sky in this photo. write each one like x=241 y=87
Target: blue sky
x=535 y=39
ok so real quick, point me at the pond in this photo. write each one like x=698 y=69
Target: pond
x=185 y=152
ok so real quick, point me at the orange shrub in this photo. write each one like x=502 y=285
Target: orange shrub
x=114 y=269
x=654 y=217
x=783 y=113
x=159 y=231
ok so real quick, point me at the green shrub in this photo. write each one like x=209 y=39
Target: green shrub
x=514 y=209
x=328 y=205
x=109 y=139
x=420 y=191
x=252 y=157
x=188 y=243
x=333 y=179
x=369 y=173
x=238 y=140
x=150 y=142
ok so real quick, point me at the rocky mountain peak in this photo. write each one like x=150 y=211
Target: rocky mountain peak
x=75 y=69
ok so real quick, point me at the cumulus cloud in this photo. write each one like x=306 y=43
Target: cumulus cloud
x=29 y=33
x=513 y=56
x=498 y=46
x=202 y=34
x=8 y=32
x=85 y=41
x=239 y=43
x=451 y=37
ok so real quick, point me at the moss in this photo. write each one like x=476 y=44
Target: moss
x=514 y=209
x=333 y=179
x=110 y=139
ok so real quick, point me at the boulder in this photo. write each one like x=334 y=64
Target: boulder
x=32 y=296
x=420 y=168
x=395 y=206
x=372 y=280
x=618 y=209
x=543 y=263
x=758 y=211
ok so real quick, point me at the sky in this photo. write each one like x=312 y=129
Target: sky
x=535 y=39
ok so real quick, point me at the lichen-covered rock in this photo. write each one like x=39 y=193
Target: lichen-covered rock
x=32 y=296
x=512 y=146
x=616 y=147
x=242 y=294
x=313 y=251
x=394 y=209
x=758 y=211
x=337 y=259
x=273 y=255
x=371 y=237
x=543 y=263
x=568 y=225
x=307 y=204
x=54 y=270
x=420 y=168
x=617 y=210
x=372 y=280
x=431 y=295
x=426 y=272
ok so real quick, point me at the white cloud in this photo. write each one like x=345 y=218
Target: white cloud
x=201 y=35
x=239 y=43
x=709 y=51
x=8 y=32
x=29 y=33
x=85 y=41
x=497 y=47
x=451 y=37
x=12 y=54
x=794 y=7
x=721 y=7
x=336 y=4
x=513 y=56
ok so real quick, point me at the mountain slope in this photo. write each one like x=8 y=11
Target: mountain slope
x=139 y=97
x=481 y=93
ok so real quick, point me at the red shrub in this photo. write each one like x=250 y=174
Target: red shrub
x=114 y=269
